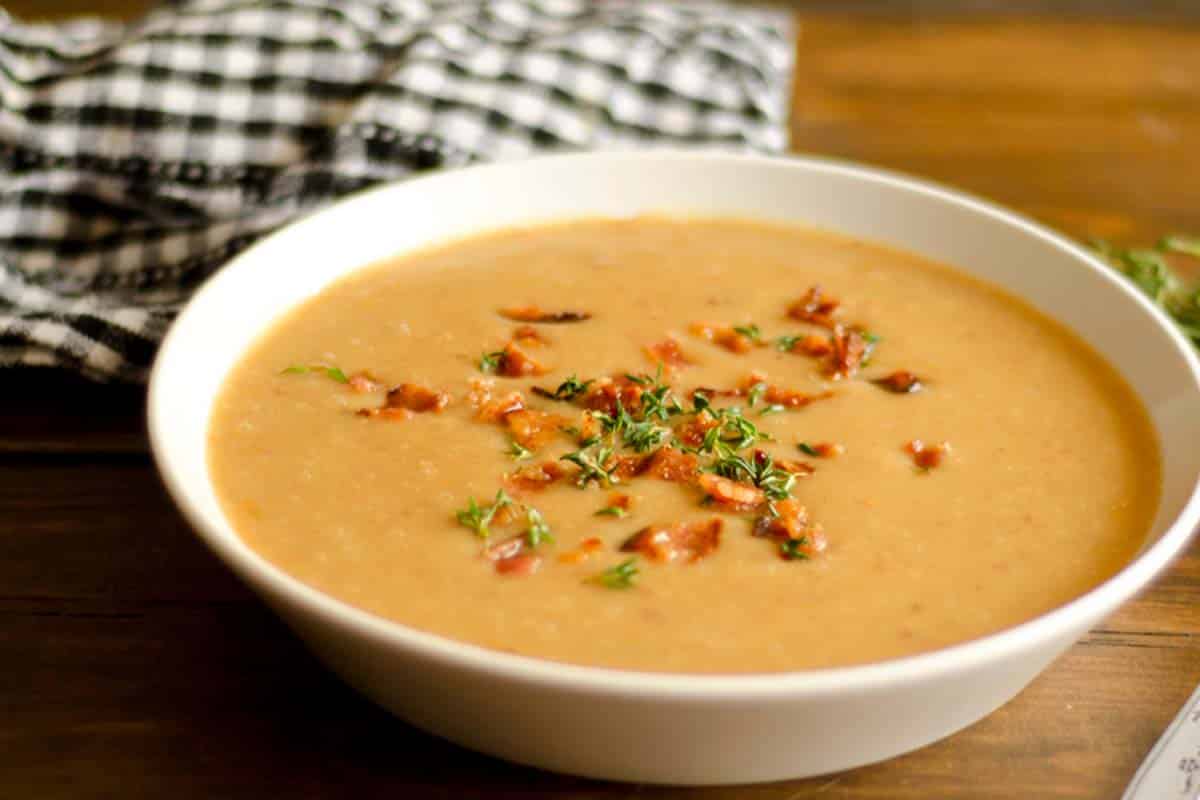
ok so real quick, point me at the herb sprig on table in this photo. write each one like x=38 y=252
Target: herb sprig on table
x=1150 y=269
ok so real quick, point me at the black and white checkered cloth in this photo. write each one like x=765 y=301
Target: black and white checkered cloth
x=135 y=160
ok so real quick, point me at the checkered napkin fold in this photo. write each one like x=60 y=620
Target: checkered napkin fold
x=137 y=159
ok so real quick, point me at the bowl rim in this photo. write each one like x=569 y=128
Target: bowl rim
x=264 y=576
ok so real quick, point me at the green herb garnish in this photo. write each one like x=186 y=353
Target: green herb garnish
x=332 y=373
x=755 y=394
x=1150 y=271
x=786 y=343
x=592 y=460
x=538 y=532
x=518 y=451
x=569 y=389
x=774 y=408
x=621 y=576
x=791 y=550
x=809 y=450
x=477 y=517
x=612 y=511
x=490 y=362
x=775 y=483
x=750 y=331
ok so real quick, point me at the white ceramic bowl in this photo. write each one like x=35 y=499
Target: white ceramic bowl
x=667 y=728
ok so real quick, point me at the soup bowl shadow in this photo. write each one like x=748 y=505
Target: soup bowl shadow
x=652 y=727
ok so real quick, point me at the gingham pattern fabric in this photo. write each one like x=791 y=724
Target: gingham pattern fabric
x=136 y=160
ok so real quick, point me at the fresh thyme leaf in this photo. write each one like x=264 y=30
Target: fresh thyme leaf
x=791 y=549
x=612 y=511
x=755 y=394
x=733 y=431
x=490 y=362
x=333 y=373
x=1188 y=245
x=786 y=343
x=621 y=576
x=477 y=517
x=700 y=403
x=775 y=483
x=518 y=451
x=571 y=430
x=1151 y=272
x=750 y=331
x=592 y=460
x=660 y=403
x=569 y=389
x=644 y=436
x=871 y=339
x=774 y=408
x=538 y=532
x=640 y=380
x=809 y=450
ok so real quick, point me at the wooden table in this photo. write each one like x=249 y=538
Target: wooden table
x=133 y=665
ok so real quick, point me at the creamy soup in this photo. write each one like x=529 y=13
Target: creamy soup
x=683 y=445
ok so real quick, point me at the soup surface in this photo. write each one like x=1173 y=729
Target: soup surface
x=783 y=449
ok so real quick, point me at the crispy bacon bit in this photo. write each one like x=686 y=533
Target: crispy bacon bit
x=678 y=542
x=512 y=556
x=532 y=428
x=777 y=395
x=723 y=336
x=669 y=464
x=798 y=536
x=849 y=350
x=618 y=500
x=535 y=314
x=516 y=363
x=529 y=336
x=732 y=495
x=415 y=397
x=489 y=408
x=622 y=468
x=900 y=382
x=535 y=477
x=927 y=456
x=667 y=353
x=590 y=545
x=712 y=393
x=800 y=469
x=363 y=383
x=814 y=307
x=693 y=431
x=604 y=393
x=823 y=449
x=814 y=344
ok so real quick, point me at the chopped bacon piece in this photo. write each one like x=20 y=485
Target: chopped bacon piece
x=849 y=350
x=776 y=395
x=588 y=546
x=927 y=456
x=724 y=336
x=619 y=500
x=823 y=449
x=679 y=542
x=489 y=408
x=363 y=383
x=800 y=469
x=512 y=556
x=516 y=363
x=415 y=397
x=532 y=428
x=814 y=344
x=712 y=393
x=733 y=495
x=669 y=464
x=792 y=527
x=693 y=431
x=900 y=382
x=604 y=393
x=529 y=336
x=814 y=307
x=535 y=477
x=667 y=353
x=535 y=314
x=622 y=468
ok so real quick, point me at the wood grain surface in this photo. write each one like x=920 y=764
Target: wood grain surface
x=132 y=665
